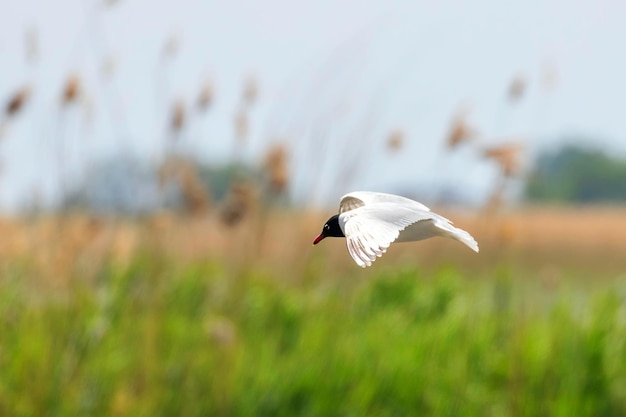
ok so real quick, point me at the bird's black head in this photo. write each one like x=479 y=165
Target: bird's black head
x=331 y=229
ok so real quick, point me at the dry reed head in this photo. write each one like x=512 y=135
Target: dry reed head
x=241 y=125
x=517 y=88
x=71 y=90
x=275 y=164
x=177 y=119
x=460 y=132
x=507 y=156
x=17 y=101
x=395 y=141
x=205 y=97
x=195 y=196
x=239 y=201
x=250 y=91
x=171 y=45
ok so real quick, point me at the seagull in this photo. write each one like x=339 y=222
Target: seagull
x=372 y=221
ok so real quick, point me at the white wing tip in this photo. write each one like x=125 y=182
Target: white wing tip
x=469 y=241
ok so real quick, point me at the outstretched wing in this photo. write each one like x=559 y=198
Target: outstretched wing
x=358 y=199
x=370 y=229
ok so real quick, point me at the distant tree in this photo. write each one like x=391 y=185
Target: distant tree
x=576 y=174
x=218 y=178
x=116 y=185
x=127 y=185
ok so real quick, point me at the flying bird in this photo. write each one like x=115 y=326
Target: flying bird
x=372 y=221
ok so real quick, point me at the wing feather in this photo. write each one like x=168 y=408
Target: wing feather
x=370 y=230
x=350 y=202
x=358 y=199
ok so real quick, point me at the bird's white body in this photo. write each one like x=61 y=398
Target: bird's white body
x=372 y=221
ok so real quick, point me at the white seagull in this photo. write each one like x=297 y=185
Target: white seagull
x=372 y=221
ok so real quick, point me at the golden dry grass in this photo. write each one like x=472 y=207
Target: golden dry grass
x=549 y=241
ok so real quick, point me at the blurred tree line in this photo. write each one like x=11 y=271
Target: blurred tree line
x=126 y=185
x=577 y=175
x=570 y=174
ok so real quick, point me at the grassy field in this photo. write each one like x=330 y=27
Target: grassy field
x=169 y=316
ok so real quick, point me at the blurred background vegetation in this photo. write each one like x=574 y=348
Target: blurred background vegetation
x=576 y=174
x=572 y=174
x=158 y=210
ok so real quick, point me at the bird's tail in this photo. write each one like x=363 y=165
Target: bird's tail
x=465 y=238
x=458 y=234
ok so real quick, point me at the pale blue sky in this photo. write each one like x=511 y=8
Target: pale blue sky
x=350 y=70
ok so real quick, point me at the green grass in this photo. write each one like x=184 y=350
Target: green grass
x=159 y=337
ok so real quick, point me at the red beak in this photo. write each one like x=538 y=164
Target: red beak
x=318 y=239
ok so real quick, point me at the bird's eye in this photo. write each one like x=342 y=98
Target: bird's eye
x=326 y=227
